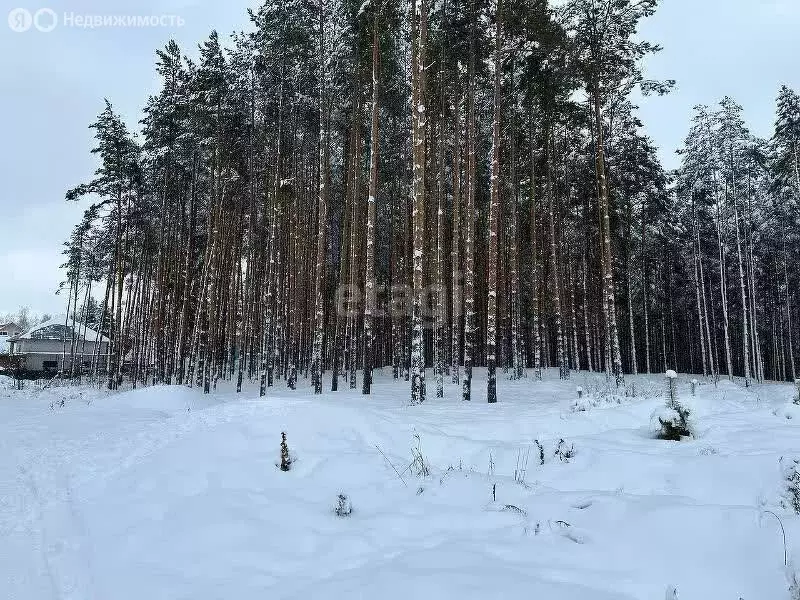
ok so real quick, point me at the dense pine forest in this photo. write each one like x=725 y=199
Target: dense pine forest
x=426 y=187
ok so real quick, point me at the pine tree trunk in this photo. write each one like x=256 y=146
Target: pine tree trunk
x=116 y=338
x=418 y=213
x=469 y=218
x=724 y=297
x=440 y=312
x=561 y=361
x=537 y=341
x=514 y=295
x=608 y=262
x=371 y=287
x=700 y=312
x=351 y=335
x=711 y=324
x=788 y=309
x=586 y=329
x=494 y=217
x=743 y=289
x=631 y=331
x=322 y=217
x=575 y=362
x=455 y=260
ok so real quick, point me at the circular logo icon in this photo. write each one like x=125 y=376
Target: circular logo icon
x=20 y=19
x=45 y=20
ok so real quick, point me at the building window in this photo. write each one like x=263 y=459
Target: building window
x=50 y=365
x=5 y=333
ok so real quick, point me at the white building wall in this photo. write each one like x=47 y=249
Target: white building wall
x=37 y=352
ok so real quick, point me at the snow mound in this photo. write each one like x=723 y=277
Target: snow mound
x=166 y=399
x=166 y=493
x=587 y=403
x=790 y=411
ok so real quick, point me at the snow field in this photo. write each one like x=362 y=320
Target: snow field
x=163 y=493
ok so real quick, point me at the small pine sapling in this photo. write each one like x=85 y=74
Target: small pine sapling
x=673 y=420
x=674 y=424
x=286 y=459
x=344 y=507
x=541 y=451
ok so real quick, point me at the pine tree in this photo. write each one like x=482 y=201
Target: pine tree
x=419 y=123
x=494 y=216
x=116 y=182
x=604 y=31
x=322 y=214
x=215 y=234
x=371 y=286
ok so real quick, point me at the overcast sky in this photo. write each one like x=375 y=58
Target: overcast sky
x=53 y=85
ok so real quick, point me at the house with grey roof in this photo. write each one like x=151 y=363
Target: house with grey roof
x=49 y=347
x=7 y=331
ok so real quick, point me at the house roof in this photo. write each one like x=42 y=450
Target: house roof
x=9 y=325
x=40 y=331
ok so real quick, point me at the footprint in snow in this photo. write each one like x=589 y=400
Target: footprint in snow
x=566 y=530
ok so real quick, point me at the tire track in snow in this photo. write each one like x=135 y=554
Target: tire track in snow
x=22 y=540
x=45 y=549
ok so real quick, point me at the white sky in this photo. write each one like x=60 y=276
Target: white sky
x=53 y=85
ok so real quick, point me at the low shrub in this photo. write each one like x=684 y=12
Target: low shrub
x=563 y=452
x=791 y=475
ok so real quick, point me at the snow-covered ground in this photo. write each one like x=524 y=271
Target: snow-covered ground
x=164 y=494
